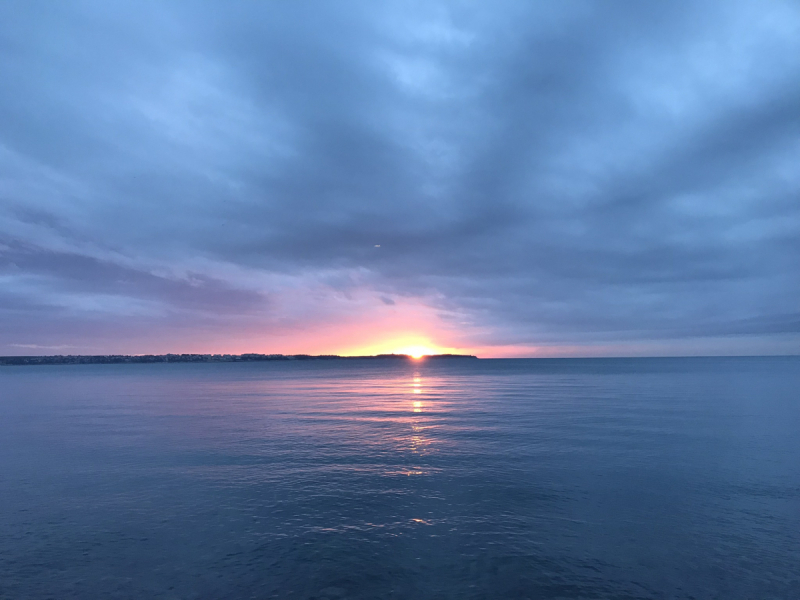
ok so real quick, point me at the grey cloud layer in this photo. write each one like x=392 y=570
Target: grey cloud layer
x=550 y=173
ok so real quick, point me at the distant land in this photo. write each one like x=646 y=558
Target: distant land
x=113 y=359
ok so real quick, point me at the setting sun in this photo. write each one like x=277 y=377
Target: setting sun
x=416 y=351
x=414 y=346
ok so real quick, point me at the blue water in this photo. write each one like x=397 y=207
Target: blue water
x=623 y=478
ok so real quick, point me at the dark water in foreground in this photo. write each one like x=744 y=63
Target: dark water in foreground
x=625 y=478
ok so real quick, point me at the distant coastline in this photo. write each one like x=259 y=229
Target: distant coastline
x=113 y=359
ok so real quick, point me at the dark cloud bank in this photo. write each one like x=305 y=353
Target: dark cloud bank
x=617 y=177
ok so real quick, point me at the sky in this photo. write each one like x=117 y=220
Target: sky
x=507 y=178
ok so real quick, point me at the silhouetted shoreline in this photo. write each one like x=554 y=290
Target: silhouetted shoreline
x=108 y=359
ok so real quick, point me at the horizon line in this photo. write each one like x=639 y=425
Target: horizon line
x=42 y=359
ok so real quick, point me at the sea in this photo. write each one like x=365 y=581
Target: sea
x=640 y=478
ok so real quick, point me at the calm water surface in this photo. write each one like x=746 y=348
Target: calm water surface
x=618 y=478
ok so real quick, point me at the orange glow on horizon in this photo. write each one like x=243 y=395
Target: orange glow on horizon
x=413 y=346
x=417 y=352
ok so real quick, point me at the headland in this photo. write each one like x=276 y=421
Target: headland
x=109 y=359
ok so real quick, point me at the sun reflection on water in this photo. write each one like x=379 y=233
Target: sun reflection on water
x=396 y=414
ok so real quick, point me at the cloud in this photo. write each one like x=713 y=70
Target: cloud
x=564 y=176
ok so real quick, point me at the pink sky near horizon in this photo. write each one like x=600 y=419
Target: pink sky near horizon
x=369 y=327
